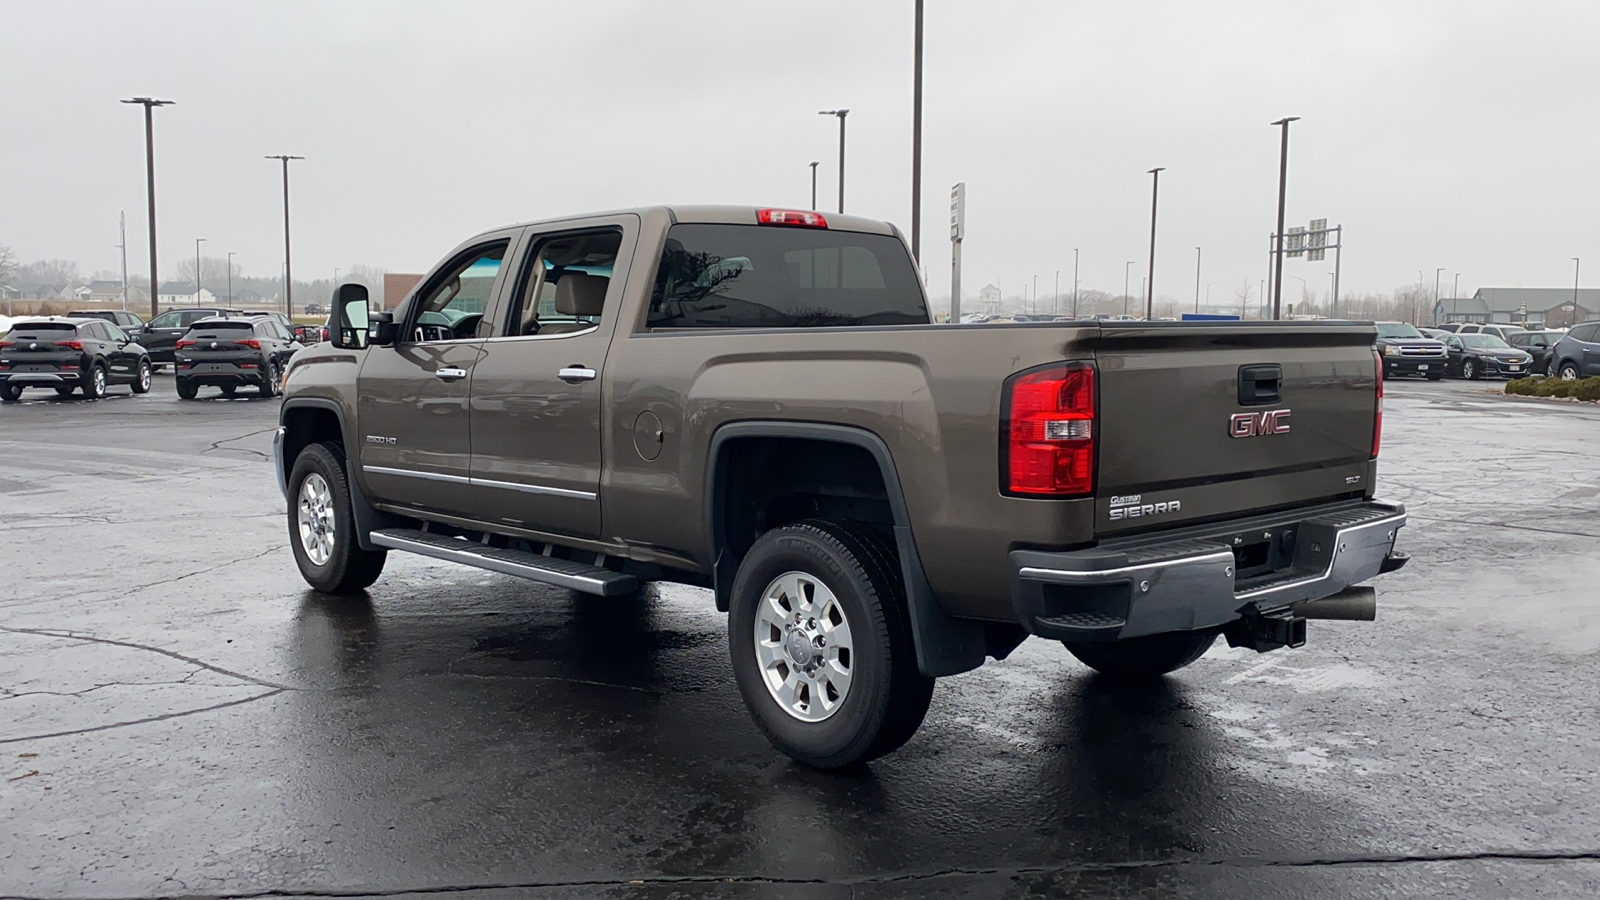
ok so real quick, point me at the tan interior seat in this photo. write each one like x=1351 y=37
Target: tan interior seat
x=578 y=294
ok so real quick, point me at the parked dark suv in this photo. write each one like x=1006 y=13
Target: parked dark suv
x=1577 y=354
x=230 y=352
x=1407 y=351
x=67 y=354
x=123 y=319
x=160 y=334
x=1538 y=344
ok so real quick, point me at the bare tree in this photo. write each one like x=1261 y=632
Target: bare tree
x=8 y=264
x=213 y=272
x=49 y=271
x=1245 y=293
x=372 y=277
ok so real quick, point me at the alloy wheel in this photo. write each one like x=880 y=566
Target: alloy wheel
x=317 y=532
x=803 y=646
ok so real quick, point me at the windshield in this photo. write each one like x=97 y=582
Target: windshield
x=1483 y=342
x=1397 y=330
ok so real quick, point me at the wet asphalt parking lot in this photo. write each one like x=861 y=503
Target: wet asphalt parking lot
x=179 y=715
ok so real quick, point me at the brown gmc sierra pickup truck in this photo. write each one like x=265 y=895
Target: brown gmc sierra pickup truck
x=755 y=401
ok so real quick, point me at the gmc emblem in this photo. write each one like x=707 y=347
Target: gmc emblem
x=1244 y=425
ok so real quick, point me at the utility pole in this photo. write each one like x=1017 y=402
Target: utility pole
x=197 y=242
x=1125 y=298
x=230 y=277
x=813 y=185
x=1150 y=281
x=841 y=113
x=1074 y=282
x=1436 y=273
x=1055 y=300
x=958 y=226
x=1455 y=293
x=1575 y=265
x=916 y=144
x=288 y=298
x=122 y=229
x=1283 y=195
x=1197 y=281
x=150 y=181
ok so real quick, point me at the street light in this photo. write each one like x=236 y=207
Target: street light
x=1283 y=194
x=916 y=140
x=1055 y=300
x=150 y=179
x=1197 y=281
x=1074 y=282
x=1455 y=293
x=1125 y=270
x=841 y=113
x=1436 y=273
x=813 y=185
x=1150 y=282
x=230 y=276
x=197 y=242
x=1208 y=293
x=288 y=282
x=1575 y=265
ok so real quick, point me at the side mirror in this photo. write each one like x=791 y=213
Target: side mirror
x=350 y=316
x=383 y=331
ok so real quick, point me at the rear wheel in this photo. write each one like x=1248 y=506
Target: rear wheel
x=821 y=645
x=187 y=389
x=269 y=384
x=322 y=529
x=141 y=381
x=228 y=390
x=63 y=390
x=10 y=393
x=94 y=386
x=1142 y=658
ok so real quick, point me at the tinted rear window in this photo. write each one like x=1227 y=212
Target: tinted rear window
x=222 y=326
x=42 y=327
x=755 y=276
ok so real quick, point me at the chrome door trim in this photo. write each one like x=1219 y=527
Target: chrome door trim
x=535 y=489
x=411 y=473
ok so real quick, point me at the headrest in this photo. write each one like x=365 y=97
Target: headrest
x=581 y=294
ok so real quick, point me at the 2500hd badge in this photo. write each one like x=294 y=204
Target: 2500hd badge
x=1128 y=506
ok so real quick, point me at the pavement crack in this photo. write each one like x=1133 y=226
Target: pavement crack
x=1457 y=521
x=74 y=636
x=217 y=445
x=223 y=565
x=146 y=720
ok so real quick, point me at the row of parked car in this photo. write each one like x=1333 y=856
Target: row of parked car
x=1475 y=350
x=89 y=351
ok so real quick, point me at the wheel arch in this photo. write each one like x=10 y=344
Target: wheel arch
x=309 y=420
x=945 y=645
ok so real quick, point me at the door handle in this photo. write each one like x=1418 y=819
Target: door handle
x=451 y=374
x=576 y=373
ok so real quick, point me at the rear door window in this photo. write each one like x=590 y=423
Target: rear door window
x=761 y=276
x=1584 y=333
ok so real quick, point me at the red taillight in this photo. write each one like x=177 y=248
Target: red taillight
x=184 y=344
x=1377 y=417
x=5 y=344
x=252 y=343
x=800 y=217
x=1048 y=433
x=69 y=345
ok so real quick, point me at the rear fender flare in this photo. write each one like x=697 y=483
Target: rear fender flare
x=945 y=645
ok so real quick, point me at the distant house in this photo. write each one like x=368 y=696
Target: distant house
x=396 y=287
x=45 y=291
x=1539 y=307
x=183 y=293
x=110 y=292
x=247 y=297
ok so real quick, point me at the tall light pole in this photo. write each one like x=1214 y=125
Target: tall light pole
x=1055 y=299
x=197 y=243
x=1197 y=281
x=814 y=184
x=150 y=180
x=1074 y=282
x=1283 y=196
x=1125 y=298
x=122 y=230
x=230 y=277
x=1455 y=293
x=1436 y=273
x=916 y=143
x=1150 y=281
x=288 y=281
x=1332 y=300
x=1575 y=265
x=1208 y=291
x=841 y=113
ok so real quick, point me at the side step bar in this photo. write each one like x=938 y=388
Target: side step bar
x=565 y=573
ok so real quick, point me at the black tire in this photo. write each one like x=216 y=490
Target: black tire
x=94 y=382
x=63 y=390
x=888 y=695
x=269 y=384
x=187 y=389
x=1569 y=371
x=1469 y=370
x=1435 y=376
x=10 y=393
x=348 y=568
x=228 y=390
x=1142 y=658
x=141 y=378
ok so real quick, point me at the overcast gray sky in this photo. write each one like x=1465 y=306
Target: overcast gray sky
x=1457 y=134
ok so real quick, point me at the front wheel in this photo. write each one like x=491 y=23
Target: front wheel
x=821 y=644
x=1142 y=658
x=141 y=381
x=1569 y=372
x=1435 y=376
x=322 y=530
x=1469 y=370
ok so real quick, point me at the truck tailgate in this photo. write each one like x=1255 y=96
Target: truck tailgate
x=1200 y=422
